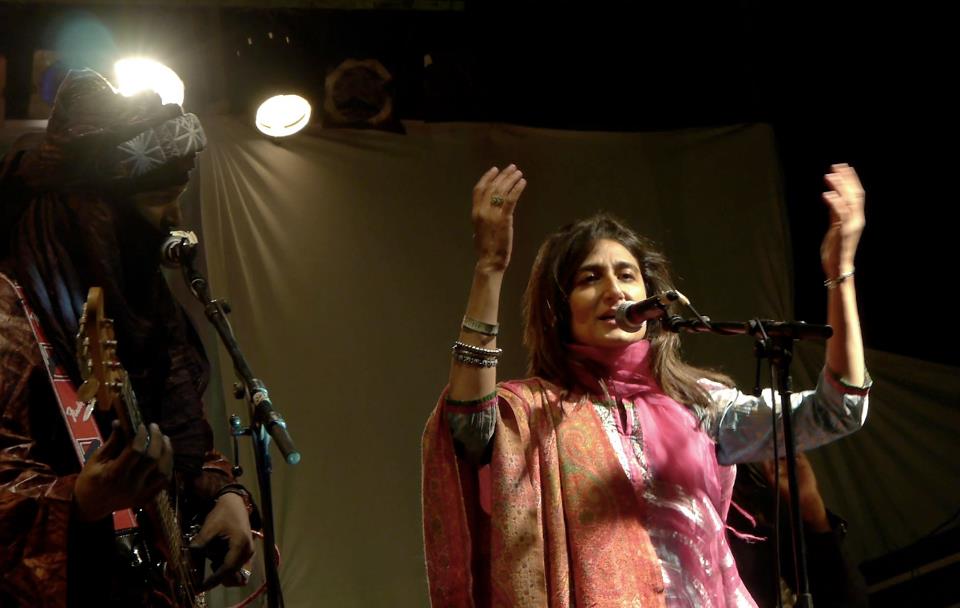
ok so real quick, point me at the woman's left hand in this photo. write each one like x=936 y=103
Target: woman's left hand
x=845 y=200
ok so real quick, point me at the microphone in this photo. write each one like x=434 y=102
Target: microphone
x=179 y=247
x=631 y=316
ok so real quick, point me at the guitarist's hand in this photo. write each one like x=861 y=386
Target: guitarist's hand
x=229 y=523
x=119 y=476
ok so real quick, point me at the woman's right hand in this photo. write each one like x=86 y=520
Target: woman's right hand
x=120 y=475
x=494 y=198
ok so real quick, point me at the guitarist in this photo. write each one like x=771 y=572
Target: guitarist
x=88 y=204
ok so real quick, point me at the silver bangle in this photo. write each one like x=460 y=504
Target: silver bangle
x=832 y=283
x=466 y=359
x=487 y=329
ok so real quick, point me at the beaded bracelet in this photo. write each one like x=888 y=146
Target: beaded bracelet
x=478 y=351
x=475 y=355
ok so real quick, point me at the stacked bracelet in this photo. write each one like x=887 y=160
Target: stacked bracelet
x=832 y=283
x=242 y=492
x=476 y=356
x=487 y=329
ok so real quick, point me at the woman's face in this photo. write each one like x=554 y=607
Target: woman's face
x=607 y=277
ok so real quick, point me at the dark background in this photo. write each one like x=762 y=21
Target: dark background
x=837 y=81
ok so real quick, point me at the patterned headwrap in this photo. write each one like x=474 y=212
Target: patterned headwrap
x=99 y=140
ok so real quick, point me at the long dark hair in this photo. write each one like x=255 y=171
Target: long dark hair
x=546 y=309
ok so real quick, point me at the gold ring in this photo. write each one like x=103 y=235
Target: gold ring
x=496 y=200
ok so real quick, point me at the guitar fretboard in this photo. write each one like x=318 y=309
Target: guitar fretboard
x=167 y=517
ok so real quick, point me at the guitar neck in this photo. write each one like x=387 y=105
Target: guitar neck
x=164 y=509
x=129 y=411
x=108 y=385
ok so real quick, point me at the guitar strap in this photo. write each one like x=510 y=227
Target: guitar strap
x=77 y=415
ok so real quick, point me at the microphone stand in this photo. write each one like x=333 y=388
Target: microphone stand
x=775 y=341
x=265 y=421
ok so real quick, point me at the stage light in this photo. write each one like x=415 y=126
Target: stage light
x=137 y=74
x=283 y=115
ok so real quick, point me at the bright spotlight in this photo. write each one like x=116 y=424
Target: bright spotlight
x=283 y=115
x=140 y=74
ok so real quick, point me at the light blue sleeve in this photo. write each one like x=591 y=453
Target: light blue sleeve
x=742 y=427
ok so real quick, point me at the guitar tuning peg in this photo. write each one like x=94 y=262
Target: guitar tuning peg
x=108 y=322
x=88 y=390
x=112 y=343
